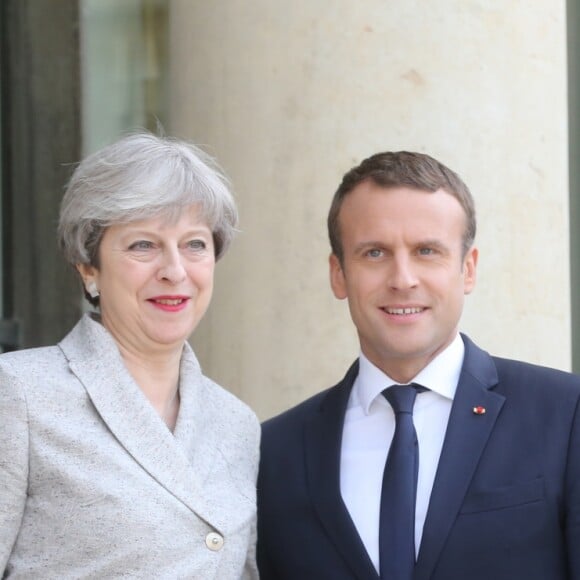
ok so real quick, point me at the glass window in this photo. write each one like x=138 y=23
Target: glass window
x=124 y=68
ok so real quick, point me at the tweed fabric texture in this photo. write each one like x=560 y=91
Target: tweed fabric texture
x=94 y=485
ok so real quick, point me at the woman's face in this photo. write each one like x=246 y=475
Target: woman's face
x=155 y=280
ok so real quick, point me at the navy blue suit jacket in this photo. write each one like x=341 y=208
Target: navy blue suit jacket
x=505 y=503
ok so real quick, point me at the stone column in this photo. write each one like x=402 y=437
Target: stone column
x=290 y=95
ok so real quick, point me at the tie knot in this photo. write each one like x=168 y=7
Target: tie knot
x=402 y=397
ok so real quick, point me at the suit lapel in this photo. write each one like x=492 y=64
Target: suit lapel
x=322 y=444
x=192 y=431
x=95 y=359
x=465 y=439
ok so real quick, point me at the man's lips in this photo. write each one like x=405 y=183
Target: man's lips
x=403 y=310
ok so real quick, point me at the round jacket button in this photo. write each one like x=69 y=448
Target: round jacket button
x=214 y=541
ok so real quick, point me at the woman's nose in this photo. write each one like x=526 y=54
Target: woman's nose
x=171 y=267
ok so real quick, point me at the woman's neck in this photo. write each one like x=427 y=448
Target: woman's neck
x=158 y=377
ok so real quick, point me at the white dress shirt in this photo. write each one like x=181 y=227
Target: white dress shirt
x=368 y=430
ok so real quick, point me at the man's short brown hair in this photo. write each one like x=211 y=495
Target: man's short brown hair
x=402 y=169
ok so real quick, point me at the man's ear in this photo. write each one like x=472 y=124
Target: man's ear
x=337 y=281
x=470 y=270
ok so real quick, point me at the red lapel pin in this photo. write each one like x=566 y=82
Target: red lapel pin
x=479 y=410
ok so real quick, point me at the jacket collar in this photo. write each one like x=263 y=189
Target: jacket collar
x=180 y=462
x=323 y=438
x=465 y=440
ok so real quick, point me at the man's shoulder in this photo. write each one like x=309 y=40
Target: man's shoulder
x=512 y=371
x=298 y=413
x=515 y=369
x=333 y=399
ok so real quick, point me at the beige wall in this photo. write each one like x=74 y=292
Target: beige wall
x=289 y=95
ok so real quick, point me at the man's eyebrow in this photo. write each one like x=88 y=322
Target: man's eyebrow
x=369 y=244
x=432 y=243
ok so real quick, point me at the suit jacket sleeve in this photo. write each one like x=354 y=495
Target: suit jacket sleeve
x=13 y=463
x=573 y=492
x=251 y=566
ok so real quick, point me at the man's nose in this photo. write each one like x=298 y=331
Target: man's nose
x=402 y=275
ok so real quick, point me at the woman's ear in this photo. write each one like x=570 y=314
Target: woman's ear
x=89 y=275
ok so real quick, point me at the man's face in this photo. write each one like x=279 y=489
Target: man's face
x=403 y=273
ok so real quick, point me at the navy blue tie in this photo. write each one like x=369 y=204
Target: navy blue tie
x=399 y=492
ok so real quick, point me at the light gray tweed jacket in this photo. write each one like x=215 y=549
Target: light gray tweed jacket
x=94 y=485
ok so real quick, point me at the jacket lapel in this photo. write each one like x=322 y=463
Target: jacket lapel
x=465 y=439
x=95 y=359
x=322 y=444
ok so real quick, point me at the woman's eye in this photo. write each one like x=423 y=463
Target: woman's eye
x=141 y=245
x=196 y=245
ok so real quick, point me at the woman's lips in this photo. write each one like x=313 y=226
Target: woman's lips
x=169 y=303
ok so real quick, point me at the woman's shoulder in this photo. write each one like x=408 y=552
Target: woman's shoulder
x=25 y=376
x=45 y=361
x=234 y=427
x=227 y=404
x=217 y=401
x=41 y=360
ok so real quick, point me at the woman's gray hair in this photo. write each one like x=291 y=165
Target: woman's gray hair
x=139 y=177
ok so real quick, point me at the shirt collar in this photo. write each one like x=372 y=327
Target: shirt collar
x=441 y=376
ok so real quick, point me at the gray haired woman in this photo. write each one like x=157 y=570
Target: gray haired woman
x=118 y=457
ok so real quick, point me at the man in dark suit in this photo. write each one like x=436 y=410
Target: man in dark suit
x=496 y=494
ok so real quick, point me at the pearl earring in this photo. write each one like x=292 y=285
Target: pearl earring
x=92 y=289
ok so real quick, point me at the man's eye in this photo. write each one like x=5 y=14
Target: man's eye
x=141 y=245
x=426 y=251
x=374 y=253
